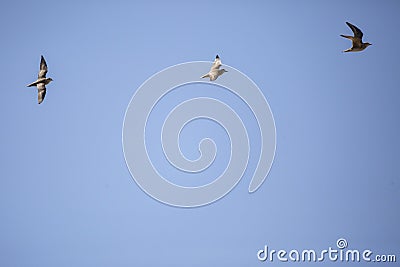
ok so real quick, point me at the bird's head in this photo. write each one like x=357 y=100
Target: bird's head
x=224 y=70
x=50 y=79
x=367 y=44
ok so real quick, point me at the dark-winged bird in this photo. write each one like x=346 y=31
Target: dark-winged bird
x=358 y=45
x=215 y=71
x=41 y=81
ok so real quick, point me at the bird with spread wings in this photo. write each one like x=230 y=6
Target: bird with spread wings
x=356 y=40
x=41 y=81
x=215 y=72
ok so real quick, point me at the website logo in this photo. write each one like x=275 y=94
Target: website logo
x=340 y=253
x=136 y=129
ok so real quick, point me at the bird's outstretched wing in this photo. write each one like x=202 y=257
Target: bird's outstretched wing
x=357 y=32
x=41 y=92
x=217 y=63
x=43 y=68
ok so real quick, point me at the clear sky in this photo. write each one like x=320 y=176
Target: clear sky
x=67 y=197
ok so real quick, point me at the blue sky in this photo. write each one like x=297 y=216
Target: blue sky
x=66 y=195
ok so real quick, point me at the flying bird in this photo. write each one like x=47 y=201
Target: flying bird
x=215 y=72
x=41 y=81
x=358 y=45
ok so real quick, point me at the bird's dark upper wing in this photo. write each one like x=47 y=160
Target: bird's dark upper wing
x=357 y=32
x=41 y=92
x=43 y=68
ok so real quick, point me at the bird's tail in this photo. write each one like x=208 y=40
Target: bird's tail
x=346 y=36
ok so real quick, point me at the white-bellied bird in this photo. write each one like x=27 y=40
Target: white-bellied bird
x=41 y=81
